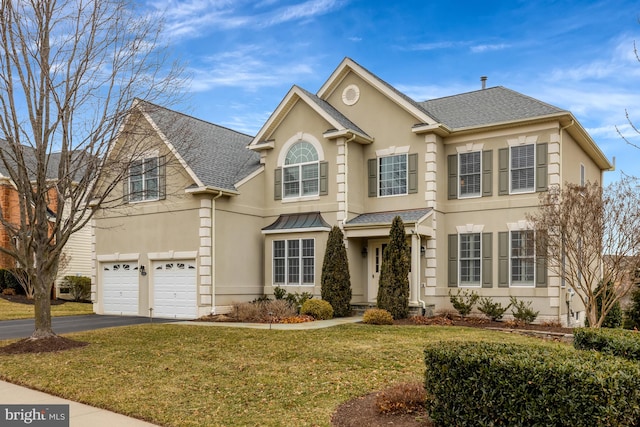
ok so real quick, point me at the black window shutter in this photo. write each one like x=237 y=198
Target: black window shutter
x=413 y=173
x=324 y=178
x=162 y=178
x=277 y=184
x=373 y=177
x=487 y=265
x=453 y=260
x=487 y=173
x=452 y=182
x=541 y=167
x=503 y=171
x=541 y=263
x=503 y=259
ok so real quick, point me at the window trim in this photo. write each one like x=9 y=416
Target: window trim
x=143 y=193
x=479 y=173
x=300 y=180
x=532 y=189
x=300 y=261
x=533 y=257
x=479 y=259
x=379 y=174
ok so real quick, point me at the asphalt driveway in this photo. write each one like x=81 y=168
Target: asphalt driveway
x=10 y=329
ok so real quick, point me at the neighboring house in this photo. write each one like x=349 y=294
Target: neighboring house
x=461 y=172
x=77 y=253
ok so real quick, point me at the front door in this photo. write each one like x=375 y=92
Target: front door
x=376 y=251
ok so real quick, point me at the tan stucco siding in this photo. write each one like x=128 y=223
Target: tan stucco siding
x=573 y=156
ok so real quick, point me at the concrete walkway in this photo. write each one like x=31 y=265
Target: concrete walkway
x=83 y=415
x=318 y=324
x=79 y=415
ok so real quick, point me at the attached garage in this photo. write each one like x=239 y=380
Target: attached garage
x=120 y=288
x=175 y=289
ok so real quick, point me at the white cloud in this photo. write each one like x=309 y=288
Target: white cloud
x=481 y=48
x=307 y=9
x=435 y=45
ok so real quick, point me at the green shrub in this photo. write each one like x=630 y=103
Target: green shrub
x=632 y=314
x=522 y=311
x=617 y=342
x=9 y=280
x=335 y=279
x=279 y=293
x=493 y=310
x=377 y=316
x=319 y=309
x=393 y=285
x=463 y=302
x=613 y=318
x=296 y=300
x=79 y=287
x=497 y=384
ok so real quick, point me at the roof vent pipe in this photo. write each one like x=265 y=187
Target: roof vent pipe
x=483 y=79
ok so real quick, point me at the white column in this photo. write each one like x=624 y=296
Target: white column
x=206 y=255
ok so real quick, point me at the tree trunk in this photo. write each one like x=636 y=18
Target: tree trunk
x=42 y=310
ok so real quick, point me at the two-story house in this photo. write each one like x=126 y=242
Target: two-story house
x=461 y=172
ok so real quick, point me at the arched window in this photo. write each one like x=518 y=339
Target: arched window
x=301 y=171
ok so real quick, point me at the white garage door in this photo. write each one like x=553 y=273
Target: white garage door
x=174 y=289
x=120 y=288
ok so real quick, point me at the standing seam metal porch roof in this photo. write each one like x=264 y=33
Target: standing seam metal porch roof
x=310 y=220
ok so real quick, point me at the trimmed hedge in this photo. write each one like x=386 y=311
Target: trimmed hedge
x=495 y=384
x=377 y=316
x=616 y=342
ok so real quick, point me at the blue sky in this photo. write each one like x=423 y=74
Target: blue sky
x=243 y=56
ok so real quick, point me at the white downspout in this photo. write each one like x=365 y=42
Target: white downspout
x=561 y=184
x=419 y=267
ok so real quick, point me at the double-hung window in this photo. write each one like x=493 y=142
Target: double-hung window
x=522 y=258
x=144 y=179
x=294 y=262
x=470 y=259
x=392 y=176
x=301 y=175
x=470 y=174
x=523 y=168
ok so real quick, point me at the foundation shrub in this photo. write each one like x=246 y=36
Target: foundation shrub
x=497 y=384
x=463 y=302
x=319 y=309
x=377 y=316
x=522 y=311
x=404 y=398
x=493 y=310
x=79 y=287
x=616 y=342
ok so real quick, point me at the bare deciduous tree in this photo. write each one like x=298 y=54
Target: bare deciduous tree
x=592 y=235
x=69 y=72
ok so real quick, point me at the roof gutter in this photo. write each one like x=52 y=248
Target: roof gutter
x=219 y=192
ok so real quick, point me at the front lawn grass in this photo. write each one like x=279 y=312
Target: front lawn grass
x=187 y=375
x=13 y=310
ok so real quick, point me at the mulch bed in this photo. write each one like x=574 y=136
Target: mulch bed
x=22 y=299
x=41 y=345
x=362 y=411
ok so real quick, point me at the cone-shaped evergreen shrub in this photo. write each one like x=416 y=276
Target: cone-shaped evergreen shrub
x=336 y=281
x=393 y=287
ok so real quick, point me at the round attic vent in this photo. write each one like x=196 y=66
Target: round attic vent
x=351 y=94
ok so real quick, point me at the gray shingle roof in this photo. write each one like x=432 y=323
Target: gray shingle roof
x=407 y=216
x=335 y=114
x=218 y=156
x=485 y=107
